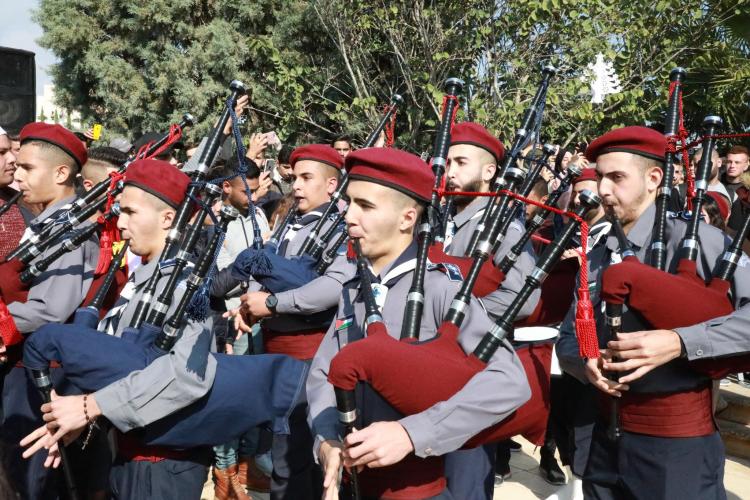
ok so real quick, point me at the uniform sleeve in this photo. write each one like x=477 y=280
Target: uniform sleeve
x=57 y=292
x=322 y=416
x=320 y=294
x=192 y=163
x=489 y=397
x=170 y=383
x=497 y=302
x=726 y=335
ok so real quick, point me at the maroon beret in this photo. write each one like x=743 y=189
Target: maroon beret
x=392 y=168
x=476 y=135
x=159 y=178
x=58 y=136
x=587 y=174
x=322 y=153
x=642 y=141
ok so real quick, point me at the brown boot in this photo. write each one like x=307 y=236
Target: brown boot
x=222 y=490
x=252 y=477
x=236 y=489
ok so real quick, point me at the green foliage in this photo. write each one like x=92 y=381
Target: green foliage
x=321 y=68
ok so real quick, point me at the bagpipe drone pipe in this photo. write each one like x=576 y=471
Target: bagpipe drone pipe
x=527 y=132
x=91 y=360
x=691 y=299
x=277 y=273
x=437 y=368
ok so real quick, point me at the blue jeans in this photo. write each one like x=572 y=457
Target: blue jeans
x=226 y=455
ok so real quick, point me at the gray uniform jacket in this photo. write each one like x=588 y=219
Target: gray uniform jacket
x=486 y=399
x=57 y=292
x=295 y=307
x=171 y=382
x=721 y=336
x=497 y=302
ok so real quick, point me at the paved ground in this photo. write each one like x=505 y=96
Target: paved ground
x=526 y=484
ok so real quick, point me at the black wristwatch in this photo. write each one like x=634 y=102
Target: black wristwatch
x=271 y=303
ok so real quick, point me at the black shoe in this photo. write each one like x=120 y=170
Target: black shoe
x=500 y=478
x=515 y=447
x=551 y=472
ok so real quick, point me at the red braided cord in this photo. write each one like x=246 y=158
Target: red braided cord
x=447 y=98
x=175 y=134
x=681 y=137
x=588 y=343
x=141 y=153
x=390 y=127
x=109 y=233
x=715 y=136
x=584 y=225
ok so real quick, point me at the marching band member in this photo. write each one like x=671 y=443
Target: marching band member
x=676 y=451
x=472 y=163
x=294 y=321
x=153 y=190
x=50 y=158
x=388 y=192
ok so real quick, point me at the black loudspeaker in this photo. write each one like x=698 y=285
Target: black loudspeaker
x=17 y=89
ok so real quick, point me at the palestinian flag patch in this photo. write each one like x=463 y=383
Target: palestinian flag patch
x=344 y=323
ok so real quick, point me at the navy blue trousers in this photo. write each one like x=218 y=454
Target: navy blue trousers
x=183 y=479
x=295 y=474
x=652 y=468
x=21 y=403
x=471 y=473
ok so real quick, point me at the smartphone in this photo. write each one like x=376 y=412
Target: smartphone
x=273 y=139
x=269 y=165
x=97 y=131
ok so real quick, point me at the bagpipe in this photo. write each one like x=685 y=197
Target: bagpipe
x=91 y=360
x=438 y=367
x=498 y=213
x=186 y=208
x=692 y=300
x=639 y=285
x=553 y=302
x=642 y=287
x=92 y=202
x=279 y=273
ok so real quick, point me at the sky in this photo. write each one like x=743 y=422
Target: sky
x=18 y=31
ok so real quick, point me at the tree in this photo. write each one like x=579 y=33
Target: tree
x=137 y=66
x=317 y=69
x=499 y=47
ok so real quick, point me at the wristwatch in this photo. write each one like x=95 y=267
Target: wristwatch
x=271 y=303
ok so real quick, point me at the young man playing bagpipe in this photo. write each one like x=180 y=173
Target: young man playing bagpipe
x=295 y=320
x=46 y=167
x=153 y=191
x=655 y=437
x=388 y=192
x=473 y=160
